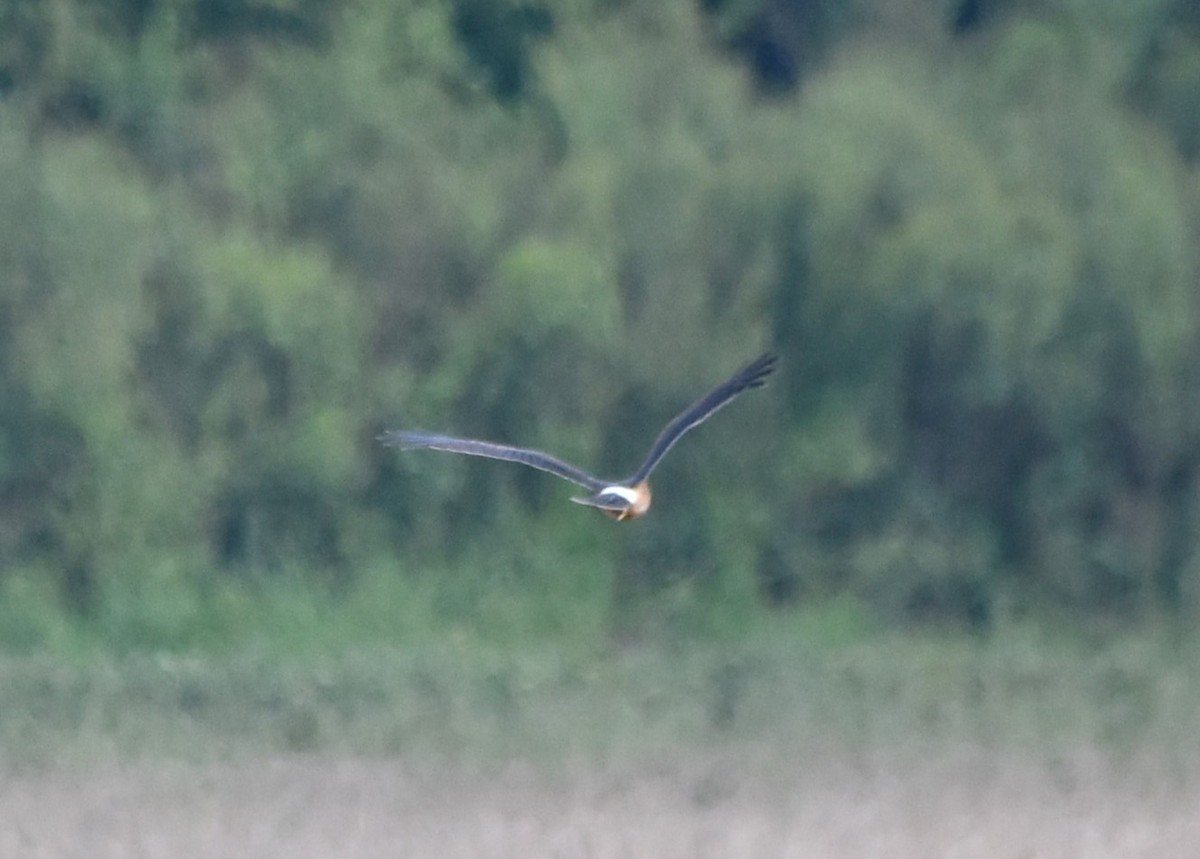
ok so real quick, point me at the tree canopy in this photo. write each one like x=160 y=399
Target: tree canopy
x=239 y=239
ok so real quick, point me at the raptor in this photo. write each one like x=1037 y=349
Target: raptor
x=621 y=499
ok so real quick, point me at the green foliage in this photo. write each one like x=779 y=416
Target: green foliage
x=232 y=254
x=461 y=700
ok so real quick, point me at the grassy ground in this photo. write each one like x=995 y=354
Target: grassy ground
x=778 y=746
x=963 y=802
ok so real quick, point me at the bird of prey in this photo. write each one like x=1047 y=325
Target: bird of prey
x=620 y=499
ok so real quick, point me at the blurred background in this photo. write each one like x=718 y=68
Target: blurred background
x=239 y=239
x=946 y=566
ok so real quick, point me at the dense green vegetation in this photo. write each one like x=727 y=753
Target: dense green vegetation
x=239 y=239
x=782 y=696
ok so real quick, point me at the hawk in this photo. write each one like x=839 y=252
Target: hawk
x=622 y=500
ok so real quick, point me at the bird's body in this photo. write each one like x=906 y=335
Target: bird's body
x=622 y=500
x=632 y=501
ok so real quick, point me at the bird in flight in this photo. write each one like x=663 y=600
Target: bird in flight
x=620 y=499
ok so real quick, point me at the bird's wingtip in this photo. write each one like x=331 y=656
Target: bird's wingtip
x=394 y=438
x=755 y=373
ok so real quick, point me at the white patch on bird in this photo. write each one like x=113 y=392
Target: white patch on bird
x=630 y=495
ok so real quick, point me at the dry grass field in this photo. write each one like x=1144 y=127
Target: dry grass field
x=893 y=748
x=956 y=802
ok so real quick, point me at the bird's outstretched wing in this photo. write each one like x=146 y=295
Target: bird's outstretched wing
x=753 y=375
x=473 y=447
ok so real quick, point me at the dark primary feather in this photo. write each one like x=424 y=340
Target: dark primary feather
x=753 y=375
x=534 y=458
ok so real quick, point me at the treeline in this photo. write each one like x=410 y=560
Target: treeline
x=239 y=239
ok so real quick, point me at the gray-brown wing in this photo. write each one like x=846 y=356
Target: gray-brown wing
x=472 y=447
x=753 y=375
